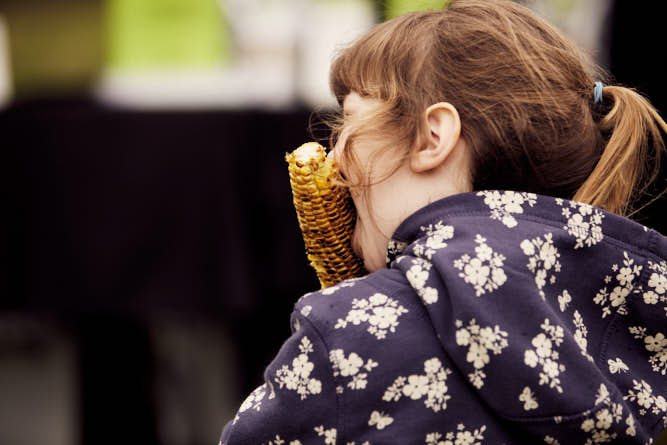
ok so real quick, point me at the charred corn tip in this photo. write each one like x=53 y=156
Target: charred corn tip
x=326 y=214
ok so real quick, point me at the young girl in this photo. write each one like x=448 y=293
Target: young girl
x=509 y=299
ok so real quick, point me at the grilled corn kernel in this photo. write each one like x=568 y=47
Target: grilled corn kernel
x=326 y=214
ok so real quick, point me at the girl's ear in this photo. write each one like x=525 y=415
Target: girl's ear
x=444 y=128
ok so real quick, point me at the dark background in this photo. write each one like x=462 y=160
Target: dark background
x=120 y=218
x=123 y=224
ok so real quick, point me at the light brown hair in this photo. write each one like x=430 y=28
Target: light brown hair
x=524 y=94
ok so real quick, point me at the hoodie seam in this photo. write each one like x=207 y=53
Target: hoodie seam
x=627 y=245
x=339 y=403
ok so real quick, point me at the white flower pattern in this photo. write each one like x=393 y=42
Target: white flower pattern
x=504 y=204
x=584 y=223
x=380 y=312
x=564 y=299
x=343 y=284
x=328 y=434
x=434 y=240
x=351 y=368
x=255 y=399
x=613 y=298
x=630 y=422
x=277 y=440
x=432 y=386
x=417 y=276
x=657 y=285
x=598 y=426
x=484 y=271
x=480 y=342
x=545 y=355
x=297 y=378
x=542 y=260
x=642 y=394
x=394 y=249
x=580 y=334
x=461 y=436
x=657 y=344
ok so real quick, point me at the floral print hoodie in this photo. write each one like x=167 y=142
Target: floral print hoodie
x=502 y=317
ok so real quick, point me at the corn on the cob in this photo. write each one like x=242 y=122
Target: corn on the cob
x=326 y=214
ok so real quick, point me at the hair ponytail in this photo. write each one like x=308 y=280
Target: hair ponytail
x=623 y=172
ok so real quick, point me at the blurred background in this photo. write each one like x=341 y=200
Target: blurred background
x=152 y=254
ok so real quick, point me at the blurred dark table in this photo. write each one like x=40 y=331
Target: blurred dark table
x=114 y=217
x=117 y=210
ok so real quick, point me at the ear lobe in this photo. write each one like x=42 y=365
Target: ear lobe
x=444 y=128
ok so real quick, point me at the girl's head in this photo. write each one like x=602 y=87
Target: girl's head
x=514 y=109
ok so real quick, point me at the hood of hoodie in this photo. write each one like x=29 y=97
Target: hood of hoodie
x=569 y=300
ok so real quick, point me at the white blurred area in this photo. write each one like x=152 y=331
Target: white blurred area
x=280 y=57
x=38 y=383
x=266 y=54
x=281 y=51
x=583 y=20
x=5 y=70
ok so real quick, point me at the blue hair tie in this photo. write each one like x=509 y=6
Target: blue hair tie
x=597 y=92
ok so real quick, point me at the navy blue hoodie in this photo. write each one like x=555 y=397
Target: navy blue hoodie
x=502 y=317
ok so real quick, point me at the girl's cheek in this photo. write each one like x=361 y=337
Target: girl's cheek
x=359 y=203
x=336 y=155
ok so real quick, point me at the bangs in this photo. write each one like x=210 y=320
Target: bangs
x=383 y=62
x=387 y=64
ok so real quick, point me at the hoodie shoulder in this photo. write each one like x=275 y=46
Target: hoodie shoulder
x=355 y=301
x=553 y=309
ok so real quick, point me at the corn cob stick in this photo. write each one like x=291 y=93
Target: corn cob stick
x=326 y=215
